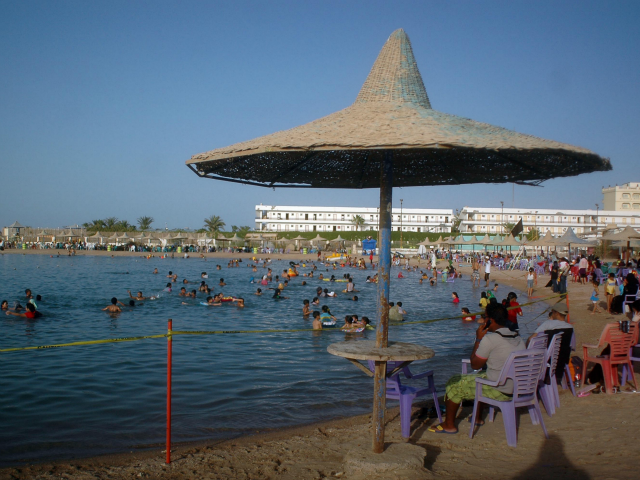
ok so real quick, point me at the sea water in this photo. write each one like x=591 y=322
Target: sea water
x=96 y=399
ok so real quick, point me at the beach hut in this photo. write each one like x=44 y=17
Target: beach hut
x=389 y=137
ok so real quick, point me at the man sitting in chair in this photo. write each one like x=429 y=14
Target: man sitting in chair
x=494 y=343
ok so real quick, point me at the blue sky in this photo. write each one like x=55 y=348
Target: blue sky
x=101 y=103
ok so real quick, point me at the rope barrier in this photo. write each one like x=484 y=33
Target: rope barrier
x=231 y=332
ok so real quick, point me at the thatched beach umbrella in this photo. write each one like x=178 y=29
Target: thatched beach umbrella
x=392 y=137
x=625 y=235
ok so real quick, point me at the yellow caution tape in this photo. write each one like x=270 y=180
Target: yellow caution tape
x=170 y=333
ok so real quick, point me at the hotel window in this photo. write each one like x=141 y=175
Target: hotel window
x=306 y=228
x=335 y=216
x=625 y=206
x=636 y=206
x=371 y=218
x=626 y=196
x=279 y=218
x=315 y=217
x=342 y=217
x=636 y=196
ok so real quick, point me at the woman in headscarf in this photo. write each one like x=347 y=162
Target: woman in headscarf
x=630 y=284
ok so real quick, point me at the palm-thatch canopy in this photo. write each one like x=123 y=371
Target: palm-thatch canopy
x=318 y=238
x=486 y=240
x=337 y=239
x=393 y=112
x=626 y=234
x=570 y=238
x=546 y=241
x=509 y=241
x=298 y=238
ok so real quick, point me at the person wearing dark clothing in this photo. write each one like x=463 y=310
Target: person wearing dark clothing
x=630 y=283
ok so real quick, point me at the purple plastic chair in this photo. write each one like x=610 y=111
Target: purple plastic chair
x=405 y=394
x=539 y=341
x=524 y=369
x=549 y=393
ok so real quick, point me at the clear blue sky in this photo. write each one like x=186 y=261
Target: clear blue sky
x=101 y=103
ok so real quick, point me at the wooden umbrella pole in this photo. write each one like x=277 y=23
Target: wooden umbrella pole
x=384 y=269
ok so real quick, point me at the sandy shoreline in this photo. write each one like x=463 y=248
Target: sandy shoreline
x=591 y=437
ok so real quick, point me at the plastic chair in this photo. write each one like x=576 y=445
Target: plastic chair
x=627 y=373
x=539 y=341
x=524 y=369
x=549 y=393
x=619 y=347
x=406 y=394
x=628 y=300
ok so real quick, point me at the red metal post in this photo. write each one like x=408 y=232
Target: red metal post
x=568 y=313
x=169 y=392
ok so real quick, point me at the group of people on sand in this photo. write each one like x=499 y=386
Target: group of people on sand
x=29 y=311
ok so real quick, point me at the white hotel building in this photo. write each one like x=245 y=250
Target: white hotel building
x=272 y=218
x=481 y=220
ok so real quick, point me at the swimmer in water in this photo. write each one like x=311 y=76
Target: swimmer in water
x=28 y=294
x=183 y=292
x=185 y=281
x=174 y=278
x=305 y=308
x=138 y=297
x=315 y=301
x=222 y=284
x=5 y=305
x=354 y=298
x=212 y=301
x=168 y=288
x=277 y=296
x=170 y=274
x=204 y=275
x=455 y=298
x=113 y=308
x=258 y=292
x=155 y=271
x=30 y=313
x=317 y=324
x=192 y=294
x=239 y=302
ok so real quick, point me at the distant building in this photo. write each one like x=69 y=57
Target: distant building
x=13 y=230
x=622 y=197
x=272 y=218
x=481 y=220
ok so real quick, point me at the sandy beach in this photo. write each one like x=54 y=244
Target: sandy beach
x=591 y=437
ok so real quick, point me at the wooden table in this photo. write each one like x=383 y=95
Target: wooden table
x=394 y=352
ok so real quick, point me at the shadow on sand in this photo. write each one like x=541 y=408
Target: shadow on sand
x=552 y=463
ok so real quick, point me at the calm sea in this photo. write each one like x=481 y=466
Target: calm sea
x=96 y=399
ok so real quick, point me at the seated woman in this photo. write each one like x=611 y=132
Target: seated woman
x=630 y=287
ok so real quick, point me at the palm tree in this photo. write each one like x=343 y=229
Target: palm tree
x=110 y=223
x=358 y=221
x=242 y=231
x=214 y=223
x=94 y=225
x=145 y=222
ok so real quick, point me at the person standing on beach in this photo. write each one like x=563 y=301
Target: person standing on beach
x=487 y=271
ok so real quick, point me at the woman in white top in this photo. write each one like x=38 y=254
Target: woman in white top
x=531 y=278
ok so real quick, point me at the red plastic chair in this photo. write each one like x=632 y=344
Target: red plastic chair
x=619 y=345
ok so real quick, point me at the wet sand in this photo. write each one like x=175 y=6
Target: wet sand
x=591 y=437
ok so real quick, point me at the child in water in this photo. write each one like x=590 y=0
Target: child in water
x=454 y=296
x=305 y=308
x=317 y=324
x=467 y=317
x=484 y=301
